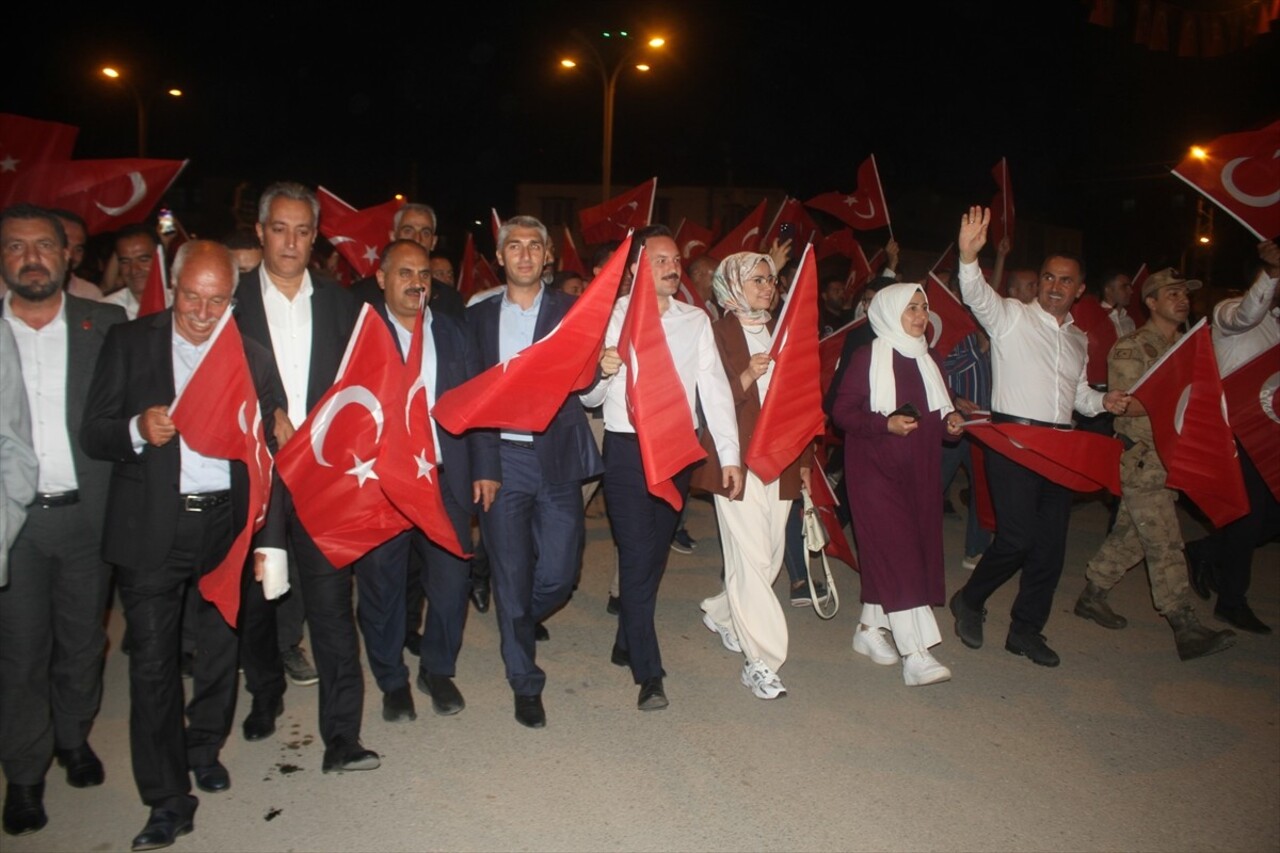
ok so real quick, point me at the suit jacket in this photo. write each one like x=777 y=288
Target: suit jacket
x=135 y=372
x=333 y=318
x=17 y=454
x=566 y=450
x=456 y=362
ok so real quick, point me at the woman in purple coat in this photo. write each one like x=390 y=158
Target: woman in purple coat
x=894 y=408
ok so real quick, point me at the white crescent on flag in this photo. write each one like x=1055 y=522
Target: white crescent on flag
x=747 y=237
x=139 y=186
x=1267 y=396
x=688 y=247
x=356 y=394
x=1229 y=184
x=869 y=215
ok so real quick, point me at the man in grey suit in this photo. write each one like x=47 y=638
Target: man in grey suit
x=17 y=456
x=57 y=590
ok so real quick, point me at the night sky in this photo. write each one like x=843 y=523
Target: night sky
x=461 y=105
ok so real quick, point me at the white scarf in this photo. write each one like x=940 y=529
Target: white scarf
x=885 y=315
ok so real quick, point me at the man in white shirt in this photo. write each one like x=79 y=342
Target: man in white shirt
x=1116 y=294
x=642 y=524
x=135 y=250
x=1038 y=361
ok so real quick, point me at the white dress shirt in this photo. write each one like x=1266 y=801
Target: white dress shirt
x=43 y=353
x=1246 y=326
x=289 y=321
x=1037 y=365
x=125 y=299
x=697 y=361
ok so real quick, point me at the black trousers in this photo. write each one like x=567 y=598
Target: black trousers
x=1231 y=548
x=1032 y=514
x=162 y=748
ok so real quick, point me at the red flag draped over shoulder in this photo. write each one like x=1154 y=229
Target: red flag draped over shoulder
x=1182 y=394
x=949 y=322
x=216 y=412
x=744 y=238
x=525 y=391
x=1253 y=407
x=791 y=415
x=618 y=215
x=1240 y=172
x=655 y=395
x=407 y=462
x=864 y=209
x=328 y=465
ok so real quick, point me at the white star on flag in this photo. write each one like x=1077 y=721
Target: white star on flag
x=850 y=200
x=363 y=470
x=424 y=466
x=8 y=164
x=370 y=253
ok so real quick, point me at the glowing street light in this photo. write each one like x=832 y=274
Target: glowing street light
x=112 y=73
x=1199 y=153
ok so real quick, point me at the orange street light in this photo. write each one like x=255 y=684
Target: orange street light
x=113 y=73
x=1199 y=153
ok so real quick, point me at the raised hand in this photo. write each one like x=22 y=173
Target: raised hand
x=973 y=233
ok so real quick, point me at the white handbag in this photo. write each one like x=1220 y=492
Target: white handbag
x=815 y=539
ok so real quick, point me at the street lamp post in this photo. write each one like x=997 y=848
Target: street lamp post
x=114 y=74
x=609 y=80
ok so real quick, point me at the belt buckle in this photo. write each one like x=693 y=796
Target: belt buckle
x=188 y=506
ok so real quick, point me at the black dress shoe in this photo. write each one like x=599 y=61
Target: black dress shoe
x=652 y=696
x=480 y=594
x=24 y=809
x=261 y=721
x=1031 y=646
x=413 y=643
x=343 y=755
x=529 y=711
x=163 y=828
x=397 y=705
x=1241 y=617
x=84 y=770
x=619 y=656
x=968 y=621
x=614 y=607
x=1200 y=572
x=540 y=632
x=446 y=698
x=212 y=778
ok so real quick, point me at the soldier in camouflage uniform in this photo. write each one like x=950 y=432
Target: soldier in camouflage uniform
x=1147 y=524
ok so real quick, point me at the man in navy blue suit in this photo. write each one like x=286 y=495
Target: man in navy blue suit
x=529 y=485
x=404 y=278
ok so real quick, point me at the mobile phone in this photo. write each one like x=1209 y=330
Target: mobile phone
x=165 y=220
x=786 y=231
x=908 y=410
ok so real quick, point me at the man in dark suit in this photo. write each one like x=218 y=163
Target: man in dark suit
x=416 y=222
x=171 y=518
x=448 y=360
x=533 y=524
x=305 y=322
x=57 y=592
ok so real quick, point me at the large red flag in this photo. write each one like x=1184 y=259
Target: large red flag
x=949 y=322
x=525 y=391
x=1078 y=460
x=1002 y=213
x=570 y=260
x=613 y=219
x=864 y=209
x=407 y=462
x=358 y=235
x=744 y=238
x=1240 y=172
x=344 y=508
x=217 y=414
x=655 y=395
x=1182 y=394
x=791 y=415
x=107 y=194
x=693 y=239
x=26 y=143
x=155 y=293
x=804 y=230
x=1253 y=407
x=825 y=503
x=1095 y=321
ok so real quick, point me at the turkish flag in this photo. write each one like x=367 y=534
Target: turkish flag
x=688 y=294
x=804 y=228
x=358 y=235
x=1002 y=213
x=467 y=269
x=525 y=391
x=825 y=503
x=156 y=292
x=946 y=261
x=26 y=143
x=949 y=322
x=613 y=219
x=406 y=464
x=1253 y=408
x=1241 y=174
x=1182 y=394
x=860 y=273
x=344 y=508
x=791 y=415
x=570 y=260
x=1078 y=460
x=107 y=194
x=217 y=414
x=1135 y=309
x=839 y=242
x=655 y=395
x=693 y=239
x=744 y=238
x=495 y=222
x=829 y=349
x=1095 y=321
x=862 y=210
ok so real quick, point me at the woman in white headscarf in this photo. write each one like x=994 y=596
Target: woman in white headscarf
x=746 y=614
x=894 y=407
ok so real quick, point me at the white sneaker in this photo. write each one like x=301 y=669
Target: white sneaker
x=873 y=643
x=726 y=634
x=764 y=682
x=970 y=562
x=920 y=668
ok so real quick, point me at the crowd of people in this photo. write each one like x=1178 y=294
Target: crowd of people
x=98 y=483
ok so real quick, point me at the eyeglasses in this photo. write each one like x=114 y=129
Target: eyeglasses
x=762 y=280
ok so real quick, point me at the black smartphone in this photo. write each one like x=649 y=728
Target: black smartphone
x=908 y=410
x=786 y=231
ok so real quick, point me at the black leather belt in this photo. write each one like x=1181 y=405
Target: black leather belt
x=527 y=445
x=201 y=501
x=1099 y=386
x=53 y=500
x=1001 y=418
x=628 y=436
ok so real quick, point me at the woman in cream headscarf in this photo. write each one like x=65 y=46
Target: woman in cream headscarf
x=746 y=614
x=892 y=467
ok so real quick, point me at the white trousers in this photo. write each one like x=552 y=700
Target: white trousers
x=753 y=537
x=913 y=630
